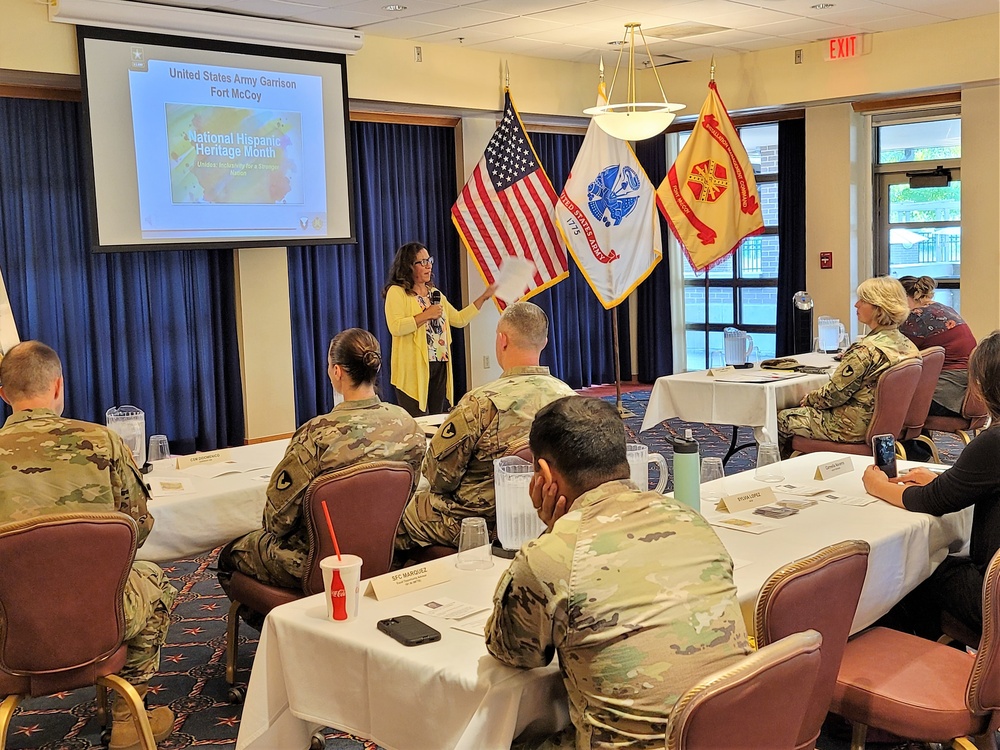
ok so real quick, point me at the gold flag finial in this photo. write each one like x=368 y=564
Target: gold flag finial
x=711 y=69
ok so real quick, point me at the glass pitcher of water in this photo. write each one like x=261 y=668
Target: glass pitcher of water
x=130 y=423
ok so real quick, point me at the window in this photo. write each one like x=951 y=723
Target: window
x=919 y=225
x=743 y=288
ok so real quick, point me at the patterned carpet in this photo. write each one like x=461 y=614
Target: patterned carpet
x=192 y=674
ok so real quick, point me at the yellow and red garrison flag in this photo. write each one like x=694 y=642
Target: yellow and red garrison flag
x=506 y=209
x=607 y=212
x=709 y=196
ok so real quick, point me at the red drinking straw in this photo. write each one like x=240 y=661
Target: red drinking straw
x=333 y=534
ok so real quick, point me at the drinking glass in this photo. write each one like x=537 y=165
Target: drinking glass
x=768 y=463
x=474 y=552
x=717 y=359
x=712 y=470
x=158 y=448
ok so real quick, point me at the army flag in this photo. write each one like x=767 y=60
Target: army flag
x=709 y=197
x=607 y=213
x=506 y=209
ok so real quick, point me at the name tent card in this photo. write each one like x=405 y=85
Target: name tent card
x=720 y=370
x=204 y=459
x=402 y=581
x=746 y=500
x=834 y=468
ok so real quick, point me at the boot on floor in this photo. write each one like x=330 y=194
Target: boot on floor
x=123 y=732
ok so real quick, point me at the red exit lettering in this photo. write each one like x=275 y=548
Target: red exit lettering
x=843 y=47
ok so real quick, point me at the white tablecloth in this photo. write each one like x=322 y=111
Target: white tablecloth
x=452 y=694
x=697 y=397
x=216 y=512
x=905 y=546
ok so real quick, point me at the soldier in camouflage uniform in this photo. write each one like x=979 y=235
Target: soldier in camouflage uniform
x=632 y=589
x=50 y=465
x=360 y=429
x=842 y=409
x=483 y=426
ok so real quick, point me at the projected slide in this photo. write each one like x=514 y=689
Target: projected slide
x=226 y=151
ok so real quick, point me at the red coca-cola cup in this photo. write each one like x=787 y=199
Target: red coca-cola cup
x=341 y=586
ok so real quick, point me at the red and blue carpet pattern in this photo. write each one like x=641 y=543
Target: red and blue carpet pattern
x=192 y=672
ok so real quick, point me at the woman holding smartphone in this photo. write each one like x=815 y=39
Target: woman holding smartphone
x=956 y=585
x=420 y=319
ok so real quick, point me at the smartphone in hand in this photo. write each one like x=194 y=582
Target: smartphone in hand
x=409 y=630
x=884 y=451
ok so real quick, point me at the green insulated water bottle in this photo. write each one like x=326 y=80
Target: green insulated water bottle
x=687 y=471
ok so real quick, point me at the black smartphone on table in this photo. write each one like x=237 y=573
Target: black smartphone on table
x=884 y=451
x=409 y=630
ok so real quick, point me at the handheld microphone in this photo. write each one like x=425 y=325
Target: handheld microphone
x=436 y=297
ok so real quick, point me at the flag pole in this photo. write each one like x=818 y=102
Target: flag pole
x=618 y=366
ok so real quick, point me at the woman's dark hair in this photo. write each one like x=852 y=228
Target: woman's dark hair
x=357 y=352
x=401 y=270
x=984 y=372
x=919 y=289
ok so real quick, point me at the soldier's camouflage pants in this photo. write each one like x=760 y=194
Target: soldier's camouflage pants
x=838 y=425
x=148 y=599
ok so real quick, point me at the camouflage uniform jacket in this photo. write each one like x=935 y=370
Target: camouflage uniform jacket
x=482 y=427
x=635 y=592
x=50 y=464
x=850 y=394
x=353 y=432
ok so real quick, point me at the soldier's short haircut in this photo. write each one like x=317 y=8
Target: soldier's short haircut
x=888 y=295
x=584 y=438
x=984 y=372
x=358 y=353
x=526 y=324
x=29 y=369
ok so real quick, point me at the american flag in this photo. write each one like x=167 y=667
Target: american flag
x=506 y=208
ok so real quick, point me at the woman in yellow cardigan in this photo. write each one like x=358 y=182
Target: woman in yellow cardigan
x=420 y=320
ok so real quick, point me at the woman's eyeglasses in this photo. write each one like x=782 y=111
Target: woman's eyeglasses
x=426 y=262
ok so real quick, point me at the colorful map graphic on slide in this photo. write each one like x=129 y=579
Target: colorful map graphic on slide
x=234 y=155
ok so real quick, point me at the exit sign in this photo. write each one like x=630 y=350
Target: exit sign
x=844 y=47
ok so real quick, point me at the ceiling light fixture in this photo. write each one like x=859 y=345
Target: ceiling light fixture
x=393 y=8
x=631 y=120
x=822 y=6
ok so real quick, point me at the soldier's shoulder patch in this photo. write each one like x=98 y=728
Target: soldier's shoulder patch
x=284 y=481
x=848 y=371
x=448 y=430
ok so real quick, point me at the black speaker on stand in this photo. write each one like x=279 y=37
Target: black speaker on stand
x=802 y=322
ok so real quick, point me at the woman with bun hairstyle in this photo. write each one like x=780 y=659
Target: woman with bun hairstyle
x=360 y=429
x=420 y=319
x=932 y=324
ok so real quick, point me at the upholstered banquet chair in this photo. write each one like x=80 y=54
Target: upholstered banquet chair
x=365 y=502
x=435 y=551
x=821 y=593
x=62 y=620
x=757 y=703
x=974 y=417
x=923 y=690
x=931 y=361
x=892 y=401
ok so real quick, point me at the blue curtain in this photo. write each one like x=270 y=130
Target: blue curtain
x=654 y=325
x=404 y=188
x=580 y=348
x=153 y=329
x=791 y=232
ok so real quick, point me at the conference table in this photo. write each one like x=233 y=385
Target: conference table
x=743 y=397
x=311 y=672
x=195 y=512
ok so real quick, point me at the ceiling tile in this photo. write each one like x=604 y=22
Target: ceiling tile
x=463 y=16
x=520 y=7
x=469 y=36
x=410 y=7
x=906 y=21
x=801 y=28
x=345 y=19
x=723 y=38
x=403 y=28
x=593 y=12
